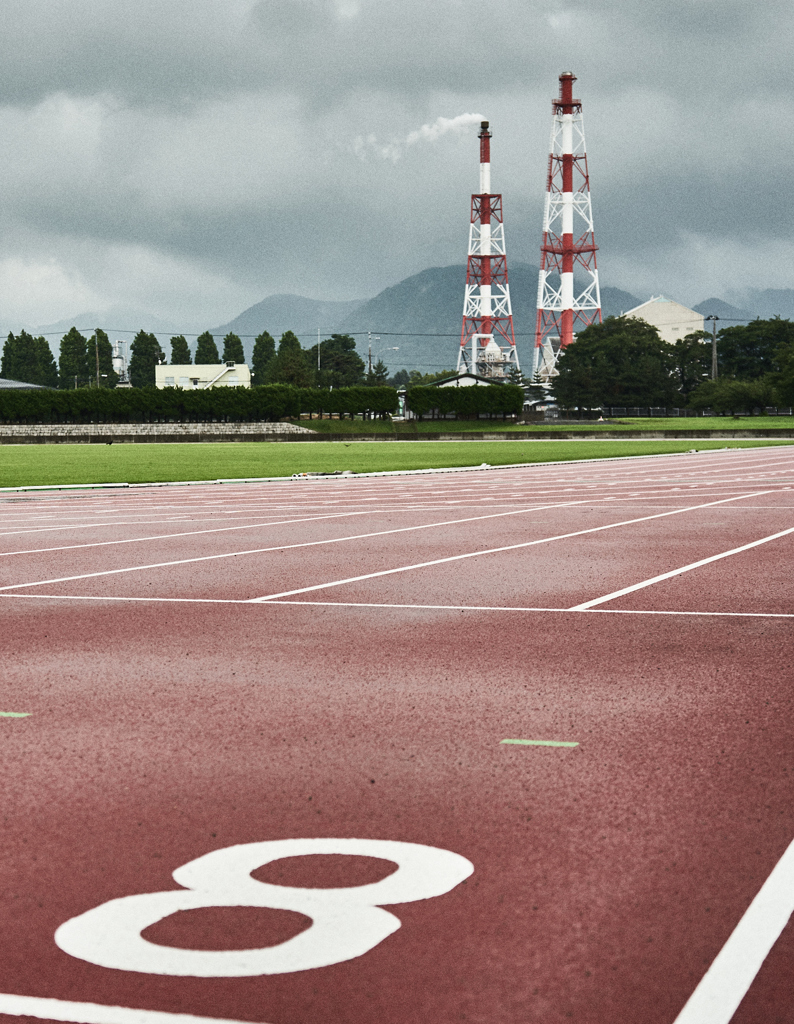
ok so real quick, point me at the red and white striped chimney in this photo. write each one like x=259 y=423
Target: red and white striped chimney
x=487 y=340
x=568 y=246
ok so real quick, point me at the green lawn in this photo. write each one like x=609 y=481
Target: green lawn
x=491 y=426
x=33 y=464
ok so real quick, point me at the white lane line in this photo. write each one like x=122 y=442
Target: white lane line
x=192 y=533
x=677 y=572
x=507 y=608
x=409 y=607
x=491 y=551
x=303 y=544
x=96 y=1013
x=632 y=501
x=733 y=971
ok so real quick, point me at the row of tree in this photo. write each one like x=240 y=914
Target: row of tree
x=624 y=362
x=88 y=361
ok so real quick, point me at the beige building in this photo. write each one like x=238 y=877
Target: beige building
x=672 y=320
x=194 y=376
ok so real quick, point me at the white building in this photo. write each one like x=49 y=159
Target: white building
x=672 y=320
x=194 y=376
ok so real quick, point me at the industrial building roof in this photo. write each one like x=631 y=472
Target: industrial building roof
x=5 y=383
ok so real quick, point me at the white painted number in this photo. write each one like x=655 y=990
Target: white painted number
x=345 y=922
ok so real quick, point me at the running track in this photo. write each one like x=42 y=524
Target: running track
x=210 y=667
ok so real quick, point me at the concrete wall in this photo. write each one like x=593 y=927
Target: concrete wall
x=129 y=433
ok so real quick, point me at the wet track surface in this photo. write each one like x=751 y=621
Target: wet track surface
x=173 y=712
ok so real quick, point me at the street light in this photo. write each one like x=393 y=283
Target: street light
x=392 y=348
x=714 y=318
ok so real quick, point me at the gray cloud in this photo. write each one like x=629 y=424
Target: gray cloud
x=193 y=157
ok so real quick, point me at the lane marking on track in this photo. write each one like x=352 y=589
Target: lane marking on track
x=15 y=714
x=95 y=1013
x=306 y=544
x=488 y=551
x=733 y=970
x=405 y=607
x=541 y=743
x=193 y=533
x=677 y=572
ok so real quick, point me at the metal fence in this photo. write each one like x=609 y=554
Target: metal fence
x=659 y=413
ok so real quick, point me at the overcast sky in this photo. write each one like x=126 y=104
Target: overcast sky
x=190 y=157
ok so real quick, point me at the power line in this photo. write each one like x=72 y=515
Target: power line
x=350 y=334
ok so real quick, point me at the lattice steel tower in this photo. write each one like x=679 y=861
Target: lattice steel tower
x=568 y=250
x=487 y=339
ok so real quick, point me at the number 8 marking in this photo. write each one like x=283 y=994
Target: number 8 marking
x=346 y=923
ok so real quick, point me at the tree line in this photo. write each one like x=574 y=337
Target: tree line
x=88 y=361
x=625 y=363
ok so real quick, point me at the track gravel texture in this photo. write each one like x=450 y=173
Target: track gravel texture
x=266 y=670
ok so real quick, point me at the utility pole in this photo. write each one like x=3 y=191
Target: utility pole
x=369 y=337
x=96 y=345
x=318 y=350
x=714 y=320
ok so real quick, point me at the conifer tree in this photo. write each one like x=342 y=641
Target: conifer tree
x=180 y=351
x=290 y=365
x=233 y=349
x=145 y=354
x=29 y=360
x=206 y=349
x=99 y=342
x=73 y=360
x=264 y=351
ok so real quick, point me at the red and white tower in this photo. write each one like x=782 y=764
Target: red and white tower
x=487 y=340
x=568 y=250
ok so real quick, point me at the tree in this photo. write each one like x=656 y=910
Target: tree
x=264 y=351
x=73 y=360
x=145 y=354
x=730 y=395
x=748 y=352
x=399 y=380
x=379 y=375
x=536 y=391
x=180 y=351
x=417 y=378
x=233 y=349
x=206 y=349
x=29 y=360
x=784 y=378
x=620 y=362
x=340 y=365
x=108 y=378
x=289 y=365
x=691 y=362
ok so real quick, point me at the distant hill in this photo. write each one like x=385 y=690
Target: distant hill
x=279 y=313
x=725 y=311
x=771 y=302
x=118 y=321
x=615 y=302
x=431 y=303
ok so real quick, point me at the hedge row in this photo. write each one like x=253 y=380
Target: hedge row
x=152 y=405
x=494 y=399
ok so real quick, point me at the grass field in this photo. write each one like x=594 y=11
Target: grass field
x=463 y=426
x=30 y=465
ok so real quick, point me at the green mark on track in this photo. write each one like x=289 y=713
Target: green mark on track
x=14 y=714
x=541 y=743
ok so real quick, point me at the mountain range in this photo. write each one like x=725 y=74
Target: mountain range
x=415 y=324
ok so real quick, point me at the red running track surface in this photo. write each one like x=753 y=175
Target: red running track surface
x=173 y=713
